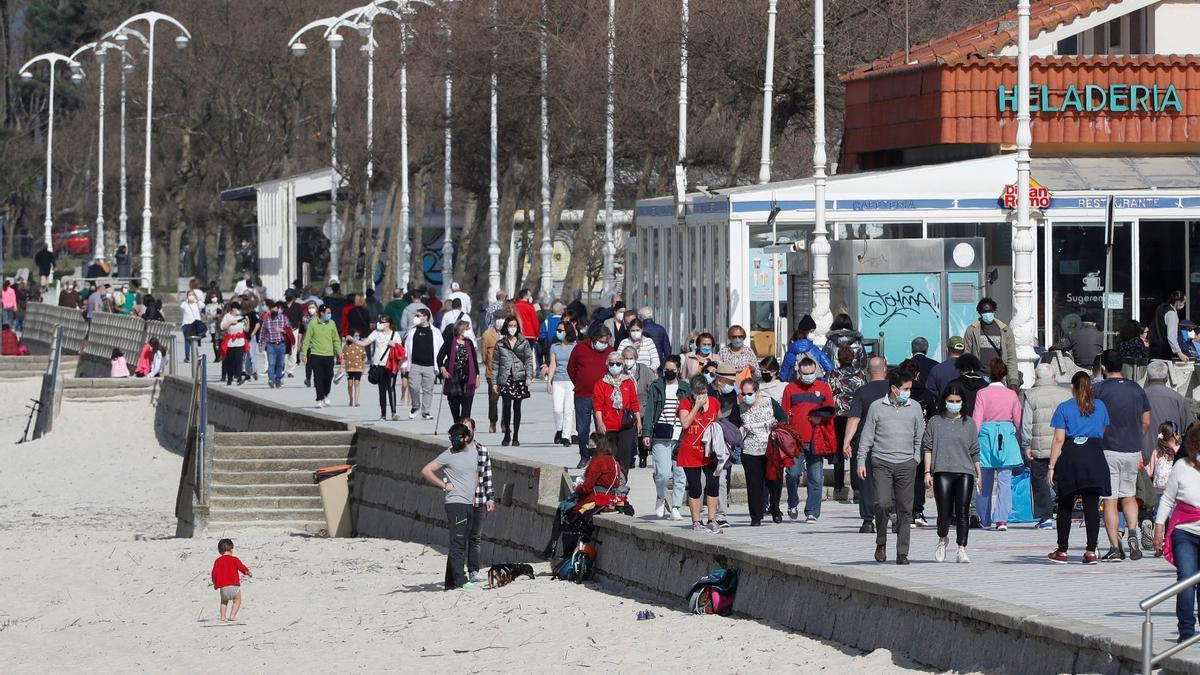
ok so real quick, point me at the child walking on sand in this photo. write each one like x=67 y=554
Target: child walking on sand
x=226 y=580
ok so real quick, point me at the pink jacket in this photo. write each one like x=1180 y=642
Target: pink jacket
x=8 y=298
x=997 y=403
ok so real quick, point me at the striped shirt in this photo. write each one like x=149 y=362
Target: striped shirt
x=670 y=409
x=646 y=349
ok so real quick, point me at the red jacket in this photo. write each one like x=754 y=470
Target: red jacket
x=603 y=472
x=225 y=571
x=527 y=317
x=602 y=402
x=586 y=367
x=799 y=400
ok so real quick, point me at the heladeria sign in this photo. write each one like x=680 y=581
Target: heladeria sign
x=1116 y=98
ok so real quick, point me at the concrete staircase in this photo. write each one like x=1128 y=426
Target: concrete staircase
x=265 y=479
x=107 y=389
x=19 y=367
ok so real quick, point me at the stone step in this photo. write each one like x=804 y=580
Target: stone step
x=266 y=502
x=316 y=452
x=287 y=464
x=221 y=527
x=109 y=382
x=277 y=490
x=259 y=438
x=316 y=515
x=21 y=374
x=296 y=477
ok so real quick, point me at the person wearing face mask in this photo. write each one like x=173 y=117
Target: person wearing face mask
x=997 y=413
x=738 y=354
x=512 y=371
x=457 y=363
x=456 y=473
x=990 y=338
x=759 y=416
x=801 y=347
x=310 y=316
x=644 y=377
x=772 y=385
x=801 y=399
x=387 y=355
x=951 y=448
x=488 y=342
x=233 y=344
x=322 y=348
x=659 y=413
x=559 y=385
x=699 y=357
x=1164 y=329
x=273 y=343
x=422 y=344
x=192 y=322
x=618 y=412
x=891 y=442
x=585 y=368
x=644 y=348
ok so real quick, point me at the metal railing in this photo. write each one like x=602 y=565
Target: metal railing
x=1149 y=658
x=203 y=461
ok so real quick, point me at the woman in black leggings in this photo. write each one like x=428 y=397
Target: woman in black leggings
x=696 y=413
x=1077 y=465
x=951 y=450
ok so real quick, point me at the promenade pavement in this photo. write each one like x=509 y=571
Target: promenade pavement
x=1009 y=567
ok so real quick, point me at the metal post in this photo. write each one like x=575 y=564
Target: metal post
x=494 y=176
x=448 y=194
x=680 y=169
x=609 y=252
x=404 y=250
x=49 y=221
x=370 y=131
x=823 y=315
x=147 y=271
x=1147 y=645
x=764 y=166
x=335 y=239
x=1024 y=326
x=547 y=246
x=99 y=238
x=123 y=217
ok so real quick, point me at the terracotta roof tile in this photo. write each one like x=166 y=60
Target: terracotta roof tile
x=983 y=39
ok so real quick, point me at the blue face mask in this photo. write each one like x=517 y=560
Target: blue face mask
x=692 y=346
x=736 y=343
x=560 y=334
x=748 y=398
x=954 y=408
x=705 y=349
x=988 y=317
x=903 y=396
x=710 y=377
x=808 y=378
x=727 y=389
x=615 y=368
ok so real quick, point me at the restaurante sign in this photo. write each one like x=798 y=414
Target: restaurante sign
x=1117 y=98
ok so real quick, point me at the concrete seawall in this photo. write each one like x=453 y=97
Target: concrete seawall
x=846 y=604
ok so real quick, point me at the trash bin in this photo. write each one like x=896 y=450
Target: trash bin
x=334 y=483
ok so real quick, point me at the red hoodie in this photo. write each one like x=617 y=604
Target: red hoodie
x=586 y=367
x=799 y=400
x=527 y=316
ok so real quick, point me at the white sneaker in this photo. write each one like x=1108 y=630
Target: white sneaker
x=675 y=514
x=810 y=520
x=939 y=551
x=412 y=414
x=962 y=555
x=324 y=403
x=660 y=509
x=476 y=577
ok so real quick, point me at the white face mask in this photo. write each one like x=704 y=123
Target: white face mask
x=512 y=330
x=382 y=325
x=635 y=335
x=499 y=324
x=630 y=364
x=312 y=311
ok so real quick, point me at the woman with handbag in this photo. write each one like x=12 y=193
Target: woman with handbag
x=759 y=416
x=386 y=344
x=696 y=414
x=617 y=410
x=997 y=414
x=512 y=371
x=460 y=375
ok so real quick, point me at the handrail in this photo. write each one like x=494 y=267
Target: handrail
x=1149 y=658
x=203 y=462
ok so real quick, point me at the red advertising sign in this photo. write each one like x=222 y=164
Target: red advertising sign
x=1039 y=197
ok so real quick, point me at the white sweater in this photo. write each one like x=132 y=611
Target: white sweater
x=1183 y=485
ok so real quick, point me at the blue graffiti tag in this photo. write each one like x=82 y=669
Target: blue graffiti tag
x=906 y=302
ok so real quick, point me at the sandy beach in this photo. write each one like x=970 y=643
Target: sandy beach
x=96 y=582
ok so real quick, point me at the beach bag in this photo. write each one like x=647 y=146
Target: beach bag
x=714 y=593
x=1022 y=499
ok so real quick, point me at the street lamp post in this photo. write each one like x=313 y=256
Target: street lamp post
x=1023 y=244
x=126 y=68
x=494 y=178
x=52 y=60
x=680 y=169
x=547 y=247
x=448 y=193
x=820 y=248
x=181 y=42
x=99 y=49
x=764 y=166
x=609 y=109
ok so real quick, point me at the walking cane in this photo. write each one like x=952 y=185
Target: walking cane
x=438 y=420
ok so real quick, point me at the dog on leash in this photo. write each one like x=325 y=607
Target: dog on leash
x=504 y=574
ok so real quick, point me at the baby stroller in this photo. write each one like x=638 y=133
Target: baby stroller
x=574 y=530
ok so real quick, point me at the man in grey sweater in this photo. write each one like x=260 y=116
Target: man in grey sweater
x=891 y=442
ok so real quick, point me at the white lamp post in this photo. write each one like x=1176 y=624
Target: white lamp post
x=448 y=194
x=609 y=277
x=494 y=178
x=299 y=49
x=1024 y=328
x=764 y=166
x=547 y=281
x=100 y=50
x=52 y=60
x=680 y=170
x=822 y=314
x=181 y=42
x=121 y=38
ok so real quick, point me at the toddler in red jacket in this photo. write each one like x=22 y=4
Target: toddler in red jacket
x=226 y=579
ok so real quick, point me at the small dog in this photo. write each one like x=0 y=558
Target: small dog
x=505 y=573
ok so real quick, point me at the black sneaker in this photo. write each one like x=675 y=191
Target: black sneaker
x=722 y=523
x=1115 y=554
x=867 y=527
x=1135 y=548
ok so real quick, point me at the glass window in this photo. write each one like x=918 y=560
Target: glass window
x=997 y=253
x=1078 y=254
x=878 y=230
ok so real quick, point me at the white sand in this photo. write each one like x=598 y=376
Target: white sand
x=93 y=581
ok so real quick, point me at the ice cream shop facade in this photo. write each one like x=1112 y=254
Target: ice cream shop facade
x=928 y=154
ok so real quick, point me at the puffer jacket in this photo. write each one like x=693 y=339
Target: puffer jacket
x=842 y=337
x=1040 y=402
x=511 y=363
x=790 y=368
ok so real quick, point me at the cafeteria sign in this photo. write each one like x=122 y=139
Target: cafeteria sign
x=1039 y=197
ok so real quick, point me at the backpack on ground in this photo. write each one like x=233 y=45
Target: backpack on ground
x=714 y=593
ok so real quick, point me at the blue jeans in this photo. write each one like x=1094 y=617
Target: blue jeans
x=1186 y=547
x=664 y=468
x=814 y=468
x=983 y=502
x=251 y=358
x=583 y=424
x=276 y=355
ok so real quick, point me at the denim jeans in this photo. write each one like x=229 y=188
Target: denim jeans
x=1186 y=547
x=276 y=353
x=813 y=467
x=664 y=468
x=988 y=480
x=583 y=424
